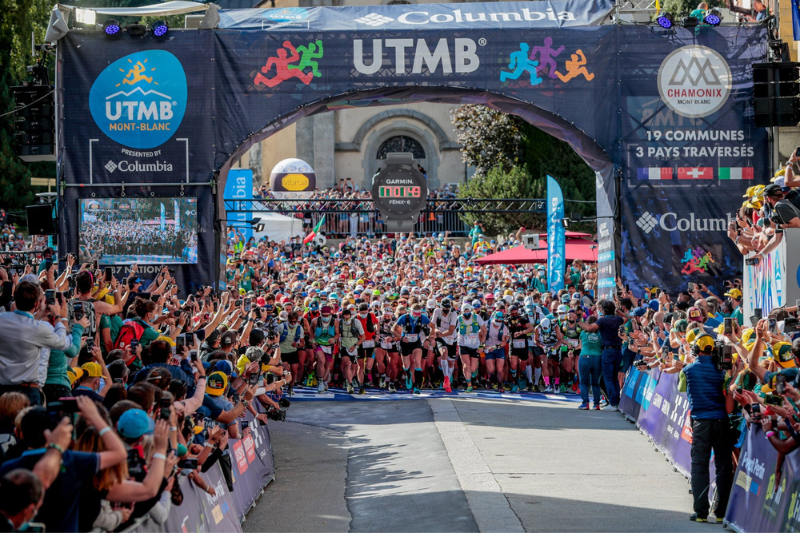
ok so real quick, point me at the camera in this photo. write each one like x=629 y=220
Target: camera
x=722 y=355
x=280 y=413
x=135 y=465
x=790 y=324
x=191 y=463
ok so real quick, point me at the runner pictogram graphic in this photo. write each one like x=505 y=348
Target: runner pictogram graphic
x=546 y=54
x=520 y=63
x=283 y=68
x=308 y=54
x=134 y=75
x=576 y=66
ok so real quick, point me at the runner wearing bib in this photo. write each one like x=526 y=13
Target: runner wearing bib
x=352 y=336
x=533 y=310
x=471 y=333
x=571 y=333
x=519 y=328
x=496 y=342
x=370 y=325
x=409 y=328
x=445 y=321
x=548 y=338
x=325 y=331
x=290 y=340
x=386 y=355
x=307 y=357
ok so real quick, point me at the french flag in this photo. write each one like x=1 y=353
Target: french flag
x=654 y=173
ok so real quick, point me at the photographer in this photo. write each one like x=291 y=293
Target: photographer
x=704 y=384
x=784 y=215
x=609 y=324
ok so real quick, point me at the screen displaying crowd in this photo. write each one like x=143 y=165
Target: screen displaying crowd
x=142 y=230
x=132 y=383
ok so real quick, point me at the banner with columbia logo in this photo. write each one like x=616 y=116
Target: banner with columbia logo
x=556 y=238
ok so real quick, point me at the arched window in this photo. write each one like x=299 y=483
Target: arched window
x=401 y=143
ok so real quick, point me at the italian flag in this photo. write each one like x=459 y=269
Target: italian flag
x=736 y=173
x=314 y=231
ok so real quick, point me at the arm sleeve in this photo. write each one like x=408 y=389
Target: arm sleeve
x=77 y=331
x=190 y=405
x=682 y=382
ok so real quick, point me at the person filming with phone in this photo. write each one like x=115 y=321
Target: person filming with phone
x=703 y=381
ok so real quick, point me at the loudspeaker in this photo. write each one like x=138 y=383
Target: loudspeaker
x=775 y=94
x=40 y=219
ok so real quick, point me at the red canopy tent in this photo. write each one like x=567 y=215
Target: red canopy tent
x=583 y=249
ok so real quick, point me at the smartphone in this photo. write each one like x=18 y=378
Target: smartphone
x=773 y=399
x=216 y=306
x=180 y=341
x=134 y=345
x=109 y=274
x=245 y=424
x=77 y=310
x=780 y=384
x=237 y=303
x=89 y=343
x=164 y=404
x=757 y=313
x=773 y=325
x=728 y=326
x=50 y=296
x=247 y=304
x=95 y=264
x=118 y=380
x=193 y=356
x=751 y=261
x=691 y=286
x=48 y=263
x=253 y=379
x=190 y=463
x=797 y=152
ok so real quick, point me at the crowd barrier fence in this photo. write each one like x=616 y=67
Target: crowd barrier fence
x=252 y=470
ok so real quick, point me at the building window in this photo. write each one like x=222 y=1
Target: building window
x=401 y=143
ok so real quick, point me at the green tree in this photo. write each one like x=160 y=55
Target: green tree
x=501 y=183
x=489 y=138
x=682 y=8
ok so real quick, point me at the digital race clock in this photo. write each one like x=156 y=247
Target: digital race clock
x=400 y=191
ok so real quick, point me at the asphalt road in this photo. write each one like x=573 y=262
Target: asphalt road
x=467 y=465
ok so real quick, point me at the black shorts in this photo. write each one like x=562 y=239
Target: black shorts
x=353 y=358
x=407 y=348
x=554 y=355
x=365 y=353
x=291 y=358
x=472 y=352
x=521 y=353
x=537 y=352
x=452 y=349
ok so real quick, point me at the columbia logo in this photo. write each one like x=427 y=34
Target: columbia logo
x=374 y=20
x=111 y=166
x=647 y=222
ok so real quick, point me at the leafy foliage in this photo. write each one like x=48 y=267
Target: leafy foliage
x=512 y=160
x=682 y=8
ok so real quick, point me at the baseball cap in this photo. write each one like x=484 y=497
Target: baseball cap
x=92 y=369
x=30 y=278
x=695 y=315
x=261 y=301
x=216 y=384
x=228 y=338
x=134 y=423
x=74 y=374
x=773 y=189
x=782 y=354
x=704 y=343
x=734 y=293
x=638 y=312
x=224 y=366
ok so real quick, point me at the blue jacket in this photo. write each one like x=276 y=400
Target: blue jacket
x=183 y=372
x=705 y=389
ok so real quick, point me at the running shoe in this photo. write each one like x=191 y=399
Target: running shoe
x=382 y=383
x=391 y=387
x=523 y=382
x=584 y=407
x=562 y=389
x=494 y=386
x=350 y=388
x=415 y=391
x=290 y=390
x=321 y=387
x=447 y=387
x=326 y=384
x=530 y=387
x=514 y=388
x=362 y=390
x=575 y=387
x=696 y=518
x=596 y=407
x=469 y=388
x=507 y=386
x=409 y=384
x=610 y=408
x=548 y=389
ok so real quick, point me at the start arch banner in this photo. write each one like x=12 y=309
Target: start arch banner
x=664 y=117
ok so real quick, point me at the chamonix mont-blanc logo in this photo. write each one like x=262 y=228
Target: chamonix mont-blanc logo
x=139 y=100
x=694 y=81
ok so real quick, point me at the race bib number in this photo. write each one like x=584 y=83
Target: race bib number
x=353 y=350
x=472 y=338
x=573 y=343
x=368 y=344
x=411 y=338
x=327 y=349
x=386 y=345
x=519 y=343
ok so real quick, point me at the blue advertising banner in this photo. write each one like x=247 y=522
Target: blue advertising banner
x=239 y=187
x=665 y=115
x=556 y=236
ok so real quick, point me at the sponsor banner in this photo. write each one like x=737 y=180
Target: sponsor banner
x=239 y=187
x=224 y=512
x=687 y=132
x=551 y=14
x=764 y=496
x=606 y=283
x=775 y=281
x=556 y=236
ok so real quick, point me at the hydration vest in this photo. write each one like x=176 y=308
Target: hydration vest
x=462 y=325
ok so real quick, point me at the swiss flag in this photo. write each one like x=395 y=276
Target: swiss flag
x=695 y=173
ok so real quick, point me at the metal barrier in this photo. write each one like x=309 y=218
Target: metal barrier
x=358 y=217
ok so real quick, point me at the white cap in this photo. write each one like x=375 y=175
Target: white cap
x=545 y=323
x=30 y=278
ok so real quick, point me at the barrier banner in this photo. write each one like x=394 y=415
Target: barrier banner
x=555 y=236
x=761 y=498
x=253 y=469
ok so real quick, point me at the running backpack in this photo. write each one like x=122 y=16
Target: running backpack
x=130 y=330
